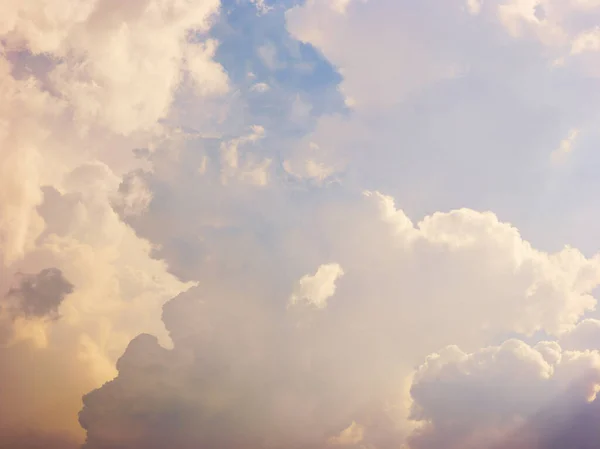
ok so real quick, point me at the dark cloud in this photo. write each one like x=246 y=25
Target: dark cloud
x=39 y=295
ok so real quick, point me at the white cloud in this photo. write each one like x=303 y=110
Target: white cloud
x=208 y=76
x=316 y=289
x=260 y=87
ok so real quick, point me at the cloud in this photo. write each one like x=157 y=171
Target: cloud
x=318 y=288
x=353 y=434
x=584 y=337
x=508 y=396
x=81 y=87
x=40 y=295
x=462 y=98
x=245 y=367
x=119 y=290
x=252 y=172
x=220 y=225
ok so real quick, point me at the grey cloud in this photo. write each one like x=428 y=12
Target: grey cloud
x=40 y=295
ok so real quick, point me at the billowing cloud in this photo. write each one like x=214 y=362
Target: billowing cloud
x=81 y=86
x=246 y=368
x=204 y=179
x=480 y=98
x=509 y=396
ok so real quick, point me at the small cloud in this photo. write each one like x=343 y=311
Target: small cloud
x=260 y=87
x=261 y=6
x=318 y=288
x=565 y=148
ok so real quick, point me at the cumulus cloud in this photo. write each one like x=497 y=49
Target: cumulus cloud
x=508 y=396
x=80 y=87
x=229 y=229
x=246 y=367
x=464 y=97
x=461 y=99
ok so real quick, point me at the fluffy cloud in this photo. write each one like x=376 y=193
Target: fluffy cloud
x=478 y=98
x=509 y=396
x=246 y=367
x=80 y=87
x=462 y=100
x=318 y=288
x=233 y=223
x=118 y=293
x=102 y=47
x=106 y=66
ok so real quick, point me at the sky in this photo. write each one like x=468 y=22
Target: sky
x=299 y=224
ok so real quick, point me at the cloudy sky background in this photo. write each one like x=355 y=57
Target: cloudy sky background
x=366 y=224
